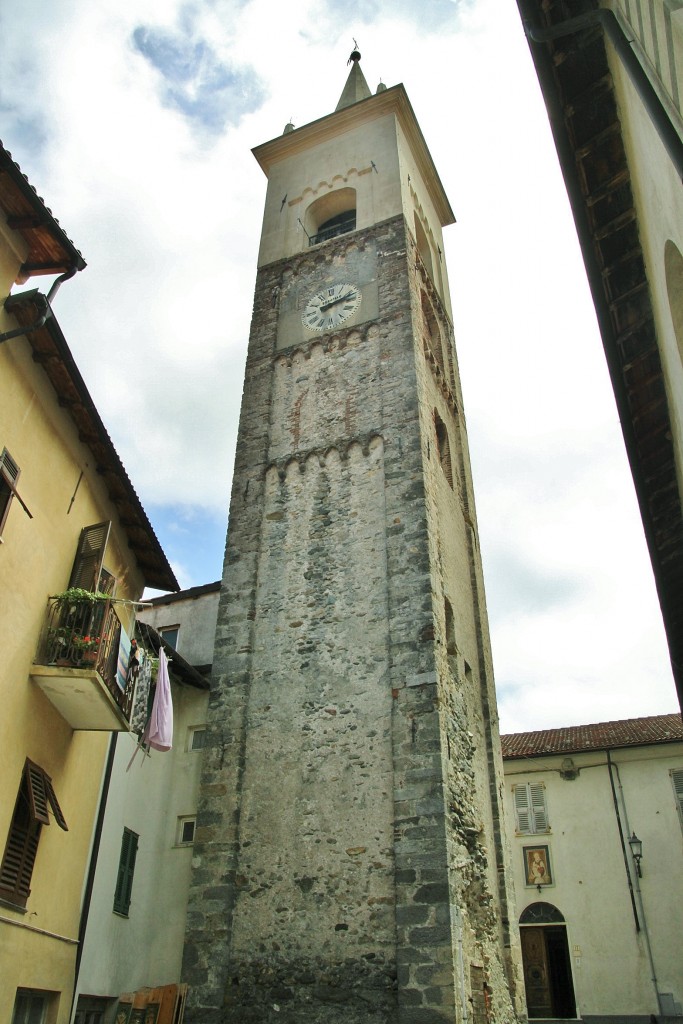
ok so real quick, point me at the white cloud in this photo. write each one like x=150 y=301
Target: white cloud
x=168 y=219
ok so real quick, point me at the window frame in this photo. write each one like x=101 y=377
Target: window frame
x=183 y=821
x=30 y=995
x=196 y=730
x=537 y=821
x=174 y=629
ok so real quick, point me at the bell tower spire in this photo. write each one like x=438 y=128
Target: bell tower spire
x=356 y=87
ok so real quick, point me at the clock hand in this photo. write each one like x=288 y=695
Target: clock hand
x=334 y=302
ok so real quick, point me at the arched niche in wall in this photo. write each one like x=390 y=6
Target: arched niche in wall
x=331 y=215
x=673 y=267
x=443 y=447
x=423 y=247
x=432 y=330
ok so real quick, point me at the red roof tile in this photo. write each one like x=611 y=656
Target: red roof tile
x=631 y=732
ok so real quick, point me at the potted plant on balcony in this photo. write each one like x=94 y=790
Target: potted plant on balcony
x=74 y=626
x=87 y=647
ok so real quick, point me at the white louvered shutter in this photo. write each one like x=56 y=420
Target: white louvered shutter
x=532 y=816
x=522 y=809
x=677 y=779
x=538 y=810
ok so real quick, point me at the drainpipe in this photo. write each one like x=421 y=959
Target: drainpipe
x=642 y=84
x=45 y=303
x=627 y=866
x=639 y=895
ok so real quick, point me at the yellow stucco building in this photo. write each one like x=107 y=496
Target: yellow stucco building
x=69 y=518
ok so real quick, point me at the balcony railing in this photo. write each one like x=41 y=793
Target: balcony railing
x=81 y=640
x=340 y=225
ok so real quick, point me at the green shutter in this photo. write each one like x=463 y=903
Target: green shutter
x=124 y=878
x=89 y=556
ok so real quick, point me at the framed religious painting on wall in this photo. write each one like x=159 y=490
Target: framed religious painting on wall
x=537 y=869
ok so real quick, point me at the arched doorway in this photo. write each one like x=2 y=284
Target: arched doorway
x=547 y=966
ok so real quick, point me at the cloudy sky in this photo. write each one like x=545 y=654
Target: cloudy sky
x=135 y=123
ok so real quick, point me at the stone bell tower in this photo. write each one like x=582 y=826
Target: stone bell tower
x=349 y=862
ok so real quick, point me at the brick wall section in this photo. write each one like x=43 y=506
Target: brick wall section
x=334 y=832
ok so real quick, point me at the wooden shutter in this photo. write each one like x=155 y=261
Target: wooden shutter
x=530 y=808
x=41 y=795
x=18 y=860
x=537 y=800
x=124 y=878
x=89 y=556
x=522 y=809
x=9 y=474
x=36 y=795
x=677 y=779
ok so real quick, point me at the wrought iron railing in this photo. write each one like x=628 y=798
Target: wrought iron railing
x=86 y=633
x=341 y=226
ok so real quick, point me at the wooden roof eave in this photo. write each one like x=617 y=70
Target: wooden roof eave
x=49 y=348
x=49 y=249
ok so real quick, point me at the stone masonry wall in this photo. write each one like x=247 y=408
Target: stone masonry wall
x=342 y=869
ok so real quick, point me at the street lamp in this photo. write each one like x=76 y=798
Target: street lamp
x=636 y=845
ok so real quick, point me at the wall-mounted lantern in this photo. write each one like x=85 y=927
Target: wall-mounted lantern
x=636 y=845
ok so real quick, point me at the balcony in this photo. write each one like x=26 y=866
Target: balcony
x=79 y=665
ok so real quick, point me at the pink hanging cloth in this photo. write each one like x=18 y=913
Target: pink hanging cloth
x=159 y=729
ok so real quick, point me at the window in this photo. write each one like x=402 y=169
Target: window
x=124 y=878
x=87 y=568
x=530 y=809
x=331 y=215
x=341 y=224
x=30 y=1007
x=443 y=447
x=423 y=246
x=91 y=1010
x=35 y=799
x=185 y=831
x=170 y=635
x=677 y=780
x=432 y=331
x=196 y=738
x=9 y=474
x=451 y=646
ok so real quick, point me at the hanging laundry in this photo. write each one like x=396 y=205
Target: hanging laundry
x=159 y=729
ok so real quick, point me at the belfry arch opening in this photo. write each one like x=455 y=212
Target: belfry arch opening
x=673 y=266
x=432 y=330
x=423 y=247
x=443 y=446
x=546 y=962
x=331 y=215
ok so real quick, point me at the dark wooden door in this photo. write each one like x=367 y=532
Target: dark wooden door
x=536 y=972
x=547 y=972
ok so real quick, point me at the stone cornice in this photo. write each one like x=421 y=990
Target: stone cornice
x=391 y=101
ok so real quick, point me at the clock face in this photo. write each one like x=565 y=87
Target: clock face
x=331 y=306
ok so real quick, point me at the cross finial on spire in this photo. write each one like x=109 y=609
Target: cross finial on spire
x=356 y=87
